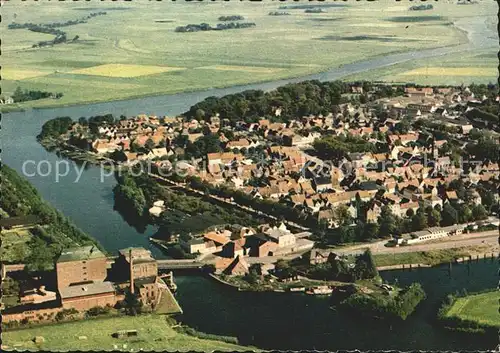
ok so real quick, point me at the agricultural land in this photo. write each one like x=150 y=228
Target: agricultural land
x=133 y=50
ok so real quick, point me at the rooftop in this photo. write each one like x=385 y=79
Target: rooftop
x=87 y=289
x=80 y=253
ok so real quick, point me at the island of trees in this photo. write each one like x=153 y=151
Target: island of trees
x=29 y=95
x=218 y=27
x=421 y=7
x=51 y=28
x=231 y=18
x=316 y=10
x=279 y=13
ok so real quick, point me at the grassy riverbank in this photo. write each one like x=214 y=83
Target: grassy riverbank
x=154 y=333
x=474 y=313
x=431 y=257
x=481 y=308
x=96 y=67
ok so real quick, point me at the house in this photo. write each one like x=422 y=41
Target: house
x=322 y=183
x=238 y=267
x=419 y=92
x=234 y=249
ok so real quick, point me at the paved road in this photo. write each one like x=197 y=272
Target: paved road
x=489 y=238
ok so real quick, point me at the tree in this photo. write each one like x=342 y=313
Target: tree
x=132 y=304
x=150 y=144
x=479 y=212
x=365 y=266
x=449 y=215
x=433 y=218
x=419 y=221
x=464 y=213
x=342 y=214
x=387 y=222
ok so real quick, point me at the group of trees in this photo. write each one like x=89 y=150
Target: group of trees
x=345 y=269
x=315 y=10
x=19 y=198
x=387 y=307
x=338 y=147
x=421 y=7
x=28 y=95
x=279 y=13
x=129 y=196
x=231 y=18
x=295 y=100
x=218 y=27
x=54 y=128
x=51 y=28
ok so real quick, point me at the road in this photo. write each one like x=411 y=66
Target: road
x=489 y=238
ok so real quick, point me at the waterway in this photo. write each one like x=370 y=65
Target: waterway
x=268 y=320
x=300 y=322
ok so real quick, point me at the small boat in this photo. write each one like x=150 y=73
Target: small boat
x=320 y=290
x=297 y=289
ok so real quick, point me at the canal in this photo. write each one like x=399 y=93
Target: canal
x=268 y=320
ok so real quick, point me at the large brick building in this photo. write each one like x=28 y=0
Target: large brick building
x=82 y=264
x=143 y=263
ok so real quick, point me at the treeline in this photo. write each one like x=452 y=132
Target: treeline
x=231 y=18
x=26 y=95
x=129 y=196
x=296 y=99
x=421 y=7
x=387 y=307
x=20 y=198
x=304 y=6
x=218 y=27
x=51 y=28
x=314 y=10
x=278 y=13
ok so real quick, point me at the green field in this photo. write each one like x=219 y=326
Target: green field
x=482 y=308
x=478 y=67
x=154 y=333
x=432 y=257
x=278 y=47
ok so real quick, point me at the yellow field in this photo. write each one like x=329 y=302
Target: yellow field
x=452 y=71
x=124 y=70
x=253 y=69
x=20 y=74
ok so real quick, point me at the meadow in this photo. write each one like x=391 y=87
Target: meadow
x=482 y=308
x=154 y=333
x=480 y=66
x=134 y=50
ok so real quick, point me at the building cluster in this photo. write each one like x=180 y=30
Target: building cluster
x=235 y=244
x=86 y=278
x=272 y=159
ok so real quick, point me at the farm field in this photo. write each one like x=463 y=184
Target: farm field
x=129 y=52
x=154 y=333
x=454 y=69
x=482 y=308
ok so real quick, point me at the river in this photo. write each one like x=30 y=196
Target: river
x=268 y=320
